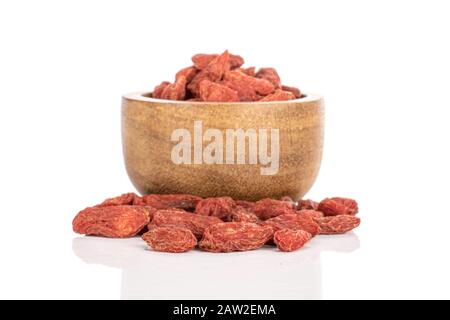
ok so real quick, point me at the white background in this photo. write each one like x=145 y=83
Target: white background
x=383 y=67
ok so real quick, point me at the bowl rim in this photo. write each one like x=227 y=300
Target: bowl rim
x=143 y=97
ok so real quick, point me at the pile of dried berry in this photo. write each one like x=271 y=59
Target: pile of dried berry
x=221 y=78
x=178 y=223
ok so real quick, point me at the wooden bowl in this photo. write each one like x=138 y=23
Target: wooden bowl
x=156 y=146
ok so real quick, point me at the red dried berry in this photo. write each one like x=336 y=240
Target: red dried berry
x=311 y=213
x=170 y=239
x=278 y=95
x=214 y=72
x=112 y=221
x=235 y=236
x=139 y=201
x=168 y=201
x=287 y=199
x=250 y=71
x=241 y=214
x=124 y=199
x=290 y=201
x=290 y=240
x=176 y=91
x=157 y=92
x=216 y=207
x=194 y=222
x=268 y=208
x=225 y=69
x=295 y=91
x=201 y=60
x=294 y=221
x=338 y=206
x=214 y=92
x=245 y=204
x=189 y=73
x=337 y=224
x=307 y=205
x=271 y=75
x=150 y=212
x=248 y=88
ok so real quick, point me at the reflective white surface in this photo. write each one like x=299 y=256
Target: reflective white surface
x=264 y=274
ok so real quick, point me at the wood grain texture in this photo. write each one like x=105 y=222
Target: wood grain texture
x=147 y=125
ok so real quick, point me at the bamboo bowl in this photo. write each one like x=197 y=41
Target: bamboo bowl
x=160 y=157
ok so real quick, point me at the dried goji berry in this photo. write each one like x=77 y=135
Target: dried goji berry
x=311 y=213
x=124 y=199
x=214 y=92
x=201 y=60
x=235 y=236
x=250 y=71
x=221 y=207
x=308 y=205
x=248 y=88
x=189 y=73
x=225 y=69
x=278 y=95
x=294 y=221
x=338 y=206
x=241 y=214
x=290 y=240
x=271 y=75
x=268 y=208
x=112 y=221
x=214 y=72
x=245 y=204
x=175 y=91
x=194 y=222
x=167 y=201
x=337 y=224
x=157 y=92
x=295 y=91
x=139 y=201
x=287 y=199
x=170 y=239
x=290 y=201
